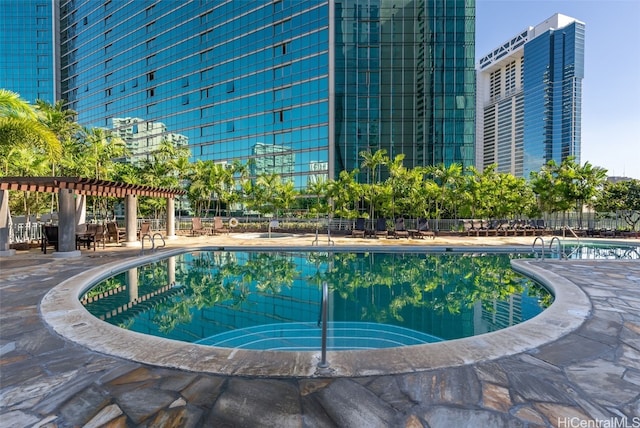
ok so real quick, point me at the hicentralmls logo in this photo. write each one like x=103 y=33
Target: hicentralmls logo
x=576 y=422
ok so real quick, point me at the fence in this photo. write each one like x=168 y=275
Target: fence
x=20 y=232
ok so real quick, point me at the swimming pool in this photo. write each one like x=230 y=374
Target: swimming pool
x=587 y=250
x=271 y=300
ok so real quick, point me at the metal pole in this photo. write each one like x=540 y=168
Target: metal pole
x=325 y=296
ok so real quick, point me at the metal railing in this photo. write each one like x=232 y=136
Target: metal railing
x=21 y=231
x=323 y=364
x=152 y=241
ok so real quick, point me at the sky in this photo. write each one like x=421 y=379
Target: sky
x=611 y=86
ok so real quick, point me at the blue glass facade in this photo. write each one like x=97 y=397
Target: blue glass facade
x=554 y=69
x=27 y=55
x=405 y=81
x=295 y=87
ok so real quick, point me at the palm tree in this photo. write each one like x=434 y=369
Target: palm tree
x=62 y=123
x=448 y=178
x=20 y=125
x=372 y=163
x=101 y=148
x=266 y=189
x=345 y=193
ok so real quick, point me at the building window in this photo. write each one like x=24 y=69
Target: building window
x=230 y=87
x=280 y=116
x=185 y=82
x=151 y=59
x=151 y=76
x=107 y=92
x=281 y=49
x=283 y=71
x=205 y=17
x=151 y=92
x=281 y=27
x=230 y=127
x=185 y=100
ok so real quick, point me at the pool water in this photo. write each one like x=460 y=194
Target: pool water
x=595 y=251
x=272 y=300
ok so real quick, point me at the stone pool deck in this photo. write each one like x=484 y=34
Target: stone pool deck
x=588 y=374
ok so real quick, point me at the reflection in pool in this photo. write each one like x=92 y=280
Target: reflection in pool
x=272 y=300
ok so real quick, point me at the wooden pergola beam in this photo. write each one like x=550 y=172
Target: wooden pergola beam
x=85 y=186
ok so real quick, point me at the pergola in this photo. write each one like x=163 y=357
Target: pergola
x=71 y=208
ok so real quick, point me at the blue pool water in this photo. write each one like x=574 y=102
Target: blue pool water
x=272 y=300
x=589 y=250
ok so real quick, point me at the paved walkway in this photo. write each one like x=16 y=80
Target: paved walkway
x=590 y=374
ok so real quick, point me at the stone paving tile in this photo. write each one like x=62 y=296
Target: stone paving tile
x=592 y=373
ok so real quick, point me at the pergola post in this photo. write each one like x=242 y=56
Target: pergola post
x=171 y=218
x=4 y=225
x=81 y=209
x=66 y=225
x=131 y=221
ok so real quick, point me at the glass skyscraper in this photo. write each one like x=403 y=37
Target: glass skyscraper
x=27 y=50
x=297 y=87
x=530 y=98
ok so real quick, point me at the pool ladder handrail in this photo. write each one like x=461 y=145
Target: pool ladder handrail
x=533 y=247
x=323 y=364
x=558 y=249
x=152 y=240
x=317 y=240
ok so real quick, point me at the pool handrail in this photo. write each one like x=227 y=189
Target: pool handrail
x=323 y=364
x=533 y=247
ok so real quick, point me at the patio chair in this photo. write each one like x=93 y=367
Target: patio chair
x=359 y=229
x=196 y=227
x=145 y=228
x=400 y=231
x=92 y=234
x=218 y=226
x=424 y=229
x=381 y=228
x=49 y=238
x=114 y=232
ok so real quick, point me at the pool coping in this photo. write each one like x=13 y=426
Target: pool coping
x=61 y=309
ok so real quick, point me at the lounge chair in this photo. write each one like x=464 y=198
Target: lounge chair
x=381 y=228
x=400 y=231
x=359 y=229
x=196 y=227
x=218 y=226
x=49 y=238
x=114 y=232
x=423 y=230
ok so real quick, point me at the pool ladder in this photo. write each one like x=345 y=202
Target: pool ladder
x=557 y=249
x=323 y=365
x=152 y=241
